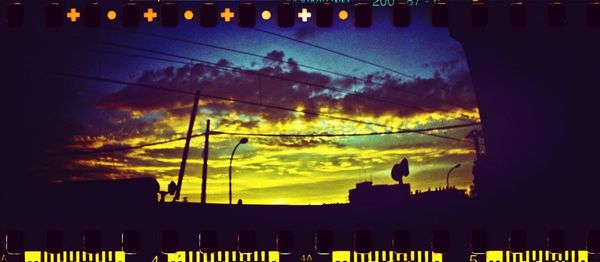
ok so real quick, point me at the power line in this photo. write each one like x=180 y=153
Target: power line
x=299 y=64
x=166 y=89
x=337 y=53
x=100 y=79
x=145 y=57
x=246 y=71
x=243 y=102
x=124 y=148
x=138 y=146
x=93 y=78
x=229 y=68
x=403 y=131
x=360 y=60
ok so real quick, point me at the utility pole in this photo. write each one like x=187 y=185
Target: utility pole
x=186 y=148
x=205 y=165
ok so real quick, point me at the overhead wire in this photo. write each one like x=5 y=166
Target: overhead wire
x=216 y=132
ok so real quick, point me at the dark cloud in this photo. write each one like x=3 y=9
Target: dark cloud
x=163 y=152
x=273 y=58
x=447 y=89
x=244 y=124
x=295 y=142
x=87 y=167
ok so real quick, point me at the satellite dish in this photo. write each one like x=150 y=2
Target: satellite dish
x=172 y=188
x=400 y=170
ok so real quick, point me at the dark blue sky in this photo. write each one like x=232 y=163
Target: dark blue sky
x=404 y=49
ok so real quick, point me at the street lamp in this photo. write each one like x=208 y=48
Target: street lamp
x=448 y=175
x=242 y=141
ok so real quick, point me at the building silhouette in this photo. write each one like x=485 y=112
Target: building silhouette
x=365 y=193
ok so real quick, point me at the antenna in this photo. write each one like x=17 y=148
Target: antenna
x=400 y=170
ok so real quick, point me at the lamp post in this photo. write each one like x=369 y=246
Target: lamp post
x=448 y=175
x=242 y=141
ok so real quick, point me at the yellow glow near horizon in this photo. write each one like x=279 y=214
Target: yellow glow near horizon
x=288 y=170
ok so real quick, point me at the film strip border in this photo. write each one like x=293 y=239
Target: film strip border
x=74 y=256
x=286 y=14
x=246 y=243
x=536 y=256
x=336 y=256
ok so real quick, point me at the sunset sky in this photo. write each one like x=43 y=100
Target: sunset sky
x=271 y=170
